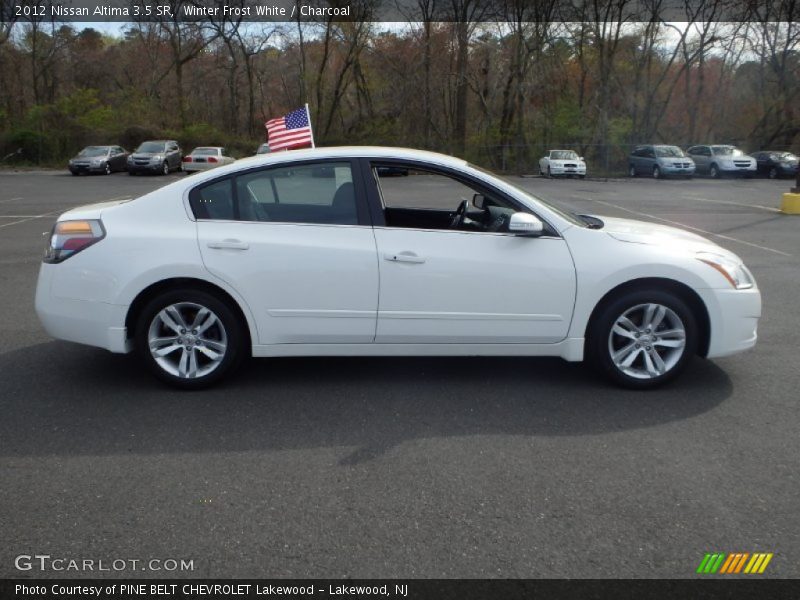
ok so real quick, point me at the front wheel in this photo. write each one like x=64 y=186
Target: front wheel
x=656 y=172
x=631 y=171
x=773 y=173
x=714 y=172
x=165 y=168
x=643 y=339
x=107 y=169
x=189 y=338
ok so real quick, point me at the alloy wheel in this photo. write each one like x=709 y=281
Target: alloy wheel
x=187 y=340
x=647 y=341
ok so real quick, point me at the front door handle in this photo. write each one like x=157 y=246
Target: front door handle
x=229 y=245
x=405 y=256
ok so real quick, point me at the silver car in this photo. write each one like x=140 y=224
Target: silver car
x=722 y=159
x=657 y=161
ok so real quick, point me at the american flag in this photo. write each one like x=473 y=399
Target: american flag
x=290 y=131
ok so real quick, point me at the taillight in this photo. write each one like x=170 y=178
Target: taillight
x=212 y=159
x=70 y=237
x=187 y=159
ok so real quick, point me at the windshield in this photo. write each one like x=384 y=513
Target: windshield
x=205 y=151
x=726 y=151
x=151 y=147
x=669 y=151
x=563 y=155
x=94 y=151
x=568 y=216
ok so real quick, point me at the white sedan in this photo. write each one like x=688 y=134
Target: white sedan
x=205 y=158
x=312 y=252
x=562 y=162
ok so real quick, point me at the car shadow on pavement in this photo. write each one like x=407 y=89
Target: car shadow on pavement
x=64 y=399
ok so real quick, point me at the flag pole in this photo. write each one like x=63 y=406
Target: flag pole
x=310 y=128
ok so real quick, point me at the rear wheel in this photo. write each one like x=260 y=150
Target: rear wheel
x=189 y=338
x=643 y=339
x=773 y=173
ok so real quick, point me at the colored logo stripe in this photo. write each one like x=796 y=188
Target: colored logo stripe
x=734 y=562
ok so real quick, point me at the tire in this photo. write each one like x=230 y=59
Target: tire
x=609 y=350
x=74 y=173
x=549 y=172
x=713 y=171
x=773 y=173
x=631 y=171
x=581 y=176
x=656 y=172
x=212 y=353
x=107 y=169
x=131 y=173
x=165 y=168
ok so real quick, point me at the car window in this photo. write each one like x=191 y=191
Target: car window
x=172 y=147
x=649 y=153
x=316 y=193
x=213 y=201
x=151 y=147
x=669 y=152
x=411 y=187
x=563 y=155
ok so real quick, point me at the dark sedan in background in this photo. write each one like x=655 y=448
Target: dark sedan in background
x=99 y=159
x=157 y=156
x=776 y=163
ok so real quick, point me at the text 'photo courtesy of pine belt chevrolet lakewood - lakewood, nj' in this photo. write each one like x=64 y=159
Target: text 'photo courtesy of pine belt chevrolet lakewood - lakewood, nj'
x=367 y=251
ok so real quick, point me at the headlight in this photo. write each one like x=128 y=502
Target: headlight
x=735 y=272
x=97 y=161
x=130 y=159
x=157 y=158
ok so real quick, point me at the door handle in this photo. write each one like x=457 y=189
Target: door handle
x=405 y=256
x=229 y=245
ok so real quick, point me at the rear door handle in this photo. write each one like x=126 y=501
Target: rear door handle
x=229 y=245
x=405 y=256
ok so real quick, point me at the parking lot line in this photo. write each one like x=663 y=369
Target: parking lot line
x=26 y=218
x=10 y=200
x=759 y=206
x=31 y=218
x=684 y=226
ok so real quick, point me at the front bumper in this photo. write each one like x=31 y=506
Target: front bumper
x=82 y=321
x=101 y=168
x=746 y=171
x=148 y=168
x=733 y=316
x=676 y=170
x=559 y=170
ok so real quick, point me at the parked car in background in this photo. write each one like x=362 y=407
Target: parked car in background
x=157 y=156
x=776 y=163
x=99 y=159
x=263 y=258
x=657 y=161
x=562 y=162
x=722 y=159
x=205 y=158
x=263 y=149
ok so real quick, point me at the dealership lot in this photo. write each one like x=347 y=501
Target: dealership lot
x=406 y=467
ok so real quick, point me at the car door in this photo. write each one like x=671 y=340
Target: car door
x=448 y=286
x=296 y=242
x=173 y=155
x=701 y=155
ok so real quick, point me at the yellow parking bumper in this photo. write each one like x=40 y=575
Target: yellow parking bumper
x=791 y=204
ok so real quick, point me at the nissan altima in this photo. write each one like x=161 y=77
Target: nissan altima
x=314 y=252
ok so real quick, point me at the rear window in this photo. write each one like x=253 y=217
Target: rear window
x=213 y=201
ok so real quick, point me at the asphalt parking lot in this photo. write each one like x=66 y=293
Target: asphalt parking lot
x=418 y=467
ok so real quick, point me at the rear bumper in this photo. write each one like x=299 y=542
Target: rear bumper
x=733 y=316
x=82 y=321
x=193 y=167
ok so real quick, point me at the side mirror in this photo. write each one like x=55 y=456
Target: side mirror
x=525 y=224
x=580 y=158
x=478 y=201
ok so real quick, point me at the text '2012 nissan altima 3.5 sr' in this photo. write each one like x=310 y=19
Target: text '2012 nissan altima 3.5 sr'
x=314 y=252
